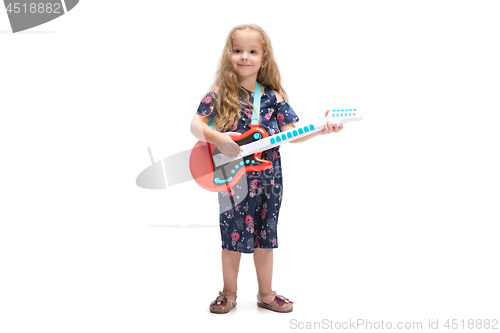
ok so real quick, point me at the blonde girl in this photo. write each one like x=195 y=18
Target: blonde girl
x=249 y=210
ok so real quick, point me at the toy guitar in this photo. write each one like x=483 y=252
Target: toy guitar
x=216 y=172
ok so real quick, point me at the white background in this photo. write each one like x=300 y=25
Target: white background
x=393 y=219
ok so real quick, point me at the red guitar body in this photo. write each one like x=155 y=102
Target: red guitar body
x=223 y=177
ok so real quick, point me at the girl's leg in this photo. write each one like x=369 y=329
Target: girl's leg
x=263 y=259
x=230 y=268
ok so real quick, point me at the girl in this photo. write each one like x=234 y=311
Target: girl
x=249 y=210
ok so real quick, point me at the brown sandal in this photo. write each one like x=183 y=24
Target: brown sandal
x=221 y=303
x=278 y=304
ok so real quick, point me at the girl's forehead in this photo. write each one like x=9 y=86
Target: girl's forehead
x=247 y=36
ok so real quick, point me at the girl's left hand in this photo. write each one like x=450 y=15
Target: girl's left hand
x=329 y=128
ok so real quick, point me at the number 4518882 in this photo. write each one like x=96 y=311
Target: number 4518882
x=471 y=324
x=33 y=8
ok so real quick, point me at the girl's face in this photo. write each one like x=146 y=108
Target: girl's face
x=246 y=55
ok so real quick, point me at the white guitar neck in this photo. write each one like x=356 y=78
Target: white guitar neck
x=335 y=117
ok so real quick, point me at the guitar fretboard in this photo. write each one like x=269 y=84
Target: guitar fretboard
x=335 y=117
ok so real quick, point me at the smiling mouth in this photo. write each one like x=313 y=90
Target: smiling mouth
x=244 y=65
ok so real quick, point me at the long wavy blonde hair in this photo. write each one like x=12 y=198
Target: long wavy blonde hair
x=226 y=79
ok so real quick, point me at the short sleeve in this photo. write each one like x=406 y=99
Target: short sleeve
x=285 y=114
x=207 y=105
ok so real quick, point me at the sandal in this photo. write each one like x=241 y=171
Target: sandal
x=278 y=304
x=221 y=303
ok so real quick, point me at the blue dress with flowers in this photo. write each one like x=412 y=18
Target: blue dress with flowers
x=249 y=210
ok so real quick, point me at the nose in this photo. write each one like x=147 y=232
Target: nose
x=244 y=56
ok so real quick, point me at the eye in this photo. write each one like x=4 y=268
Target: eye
x=254 y=52
x=236 y=51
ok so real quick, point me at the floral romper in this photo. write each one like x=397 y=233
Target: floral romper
x=249 y=210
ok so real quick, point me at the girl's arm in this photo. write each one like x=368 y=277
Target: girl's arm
x=327 y=130
x=223 y=141
x=201 y=130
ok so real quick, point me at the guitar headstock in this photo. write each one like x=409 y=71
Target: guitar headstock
x=343 y=116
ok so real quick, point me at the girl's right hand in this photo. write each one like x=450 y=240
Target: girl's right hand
x=227 y=146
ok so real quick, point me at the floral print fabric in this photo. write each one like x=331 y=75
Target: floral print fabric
x=249 y=210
